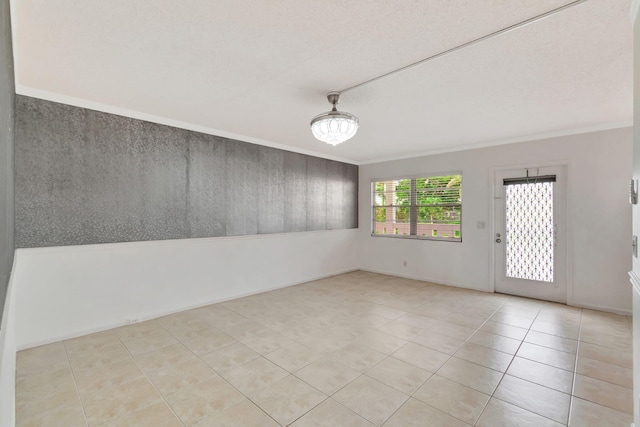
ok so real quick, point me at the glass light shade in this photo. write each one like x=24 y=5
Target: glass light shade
x=334 y=127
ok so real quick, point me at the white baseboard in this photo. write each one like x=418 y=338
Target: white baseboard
x=159 y=314
x=424 y=279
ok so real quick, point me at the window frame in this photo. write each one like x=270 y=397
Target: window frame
x=413 y=207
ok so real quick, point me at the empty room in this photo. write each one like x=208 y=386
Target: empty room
x=301 y=213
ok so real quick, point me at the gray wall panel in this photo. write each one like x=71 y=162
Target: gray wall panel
x=350 y=192
x=242 y=189
x=271 y=191
x=90 y=177
x=7 y=115
x=316 y=194
x=207 y=208
x=335 y=178
x=295 y=192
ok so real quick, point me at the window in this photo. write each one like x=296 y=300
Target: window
x=422 y=208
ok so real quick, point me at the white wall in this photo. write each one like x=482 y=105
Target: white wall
x=599 y=215
x=8 y=362
x=635 y=274
x=63 y=292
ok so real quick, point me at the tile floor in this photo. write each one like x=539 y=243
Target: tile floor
x=359 y=349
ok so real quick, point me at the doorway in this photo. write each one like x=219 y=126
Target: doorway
x=529 y=237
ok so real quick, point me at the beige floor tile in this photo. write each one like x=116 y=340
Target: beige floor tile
x=564 y=331
x=314 y=331
x=512 y=320
x=604 y=393
x=585 y=413
x=151 y=342
x=452 y=330
x=171 y=379
x=401 y=329
x=605 y=371
x=327 y=375
x=503 y=414
x=189 y=330
x=539 y=373
x=466 y=319
x=109 y=376
x=57 y=416
x=535 y=398
x=422 y=357
x=496 y=342
x=254 y=375
x=293 y=357
x=30 y=407
x=548 y=356
x=96 y=358
x=357 y=356
x=156 y=415
x=552 y=341
x=138 y=330
x=455 y=399
x=208 y=342
x=229 y=357
x=371 y=399
x=267 y=342
x=43 y=384
x=164 y=357
x=91 y=343
x=379 y=341
x=288 y=399
x=400 y=375
x=202 y=400
x=417 y=320
x=109 y=404
x=484 y=356
x=245 y=329
x=504 y=330
x=244 y=413
x=331 y=414
x=472 y=375
x=439 y=342
x=605 y=354
x=418 y=414
x=50 y=357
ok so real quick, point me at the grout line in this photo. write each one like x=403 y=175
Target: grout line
x=75 y=383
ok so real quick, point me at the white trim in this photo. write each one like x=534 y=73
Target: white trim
x=105 y=108
x=486 y=144
x=97 y=106
x=602 y=308
x=424 y=279
x=635 y=8
x=8 y=310
x=569 y=227
x=105 y=327
x=175 y=242
x=635 y=282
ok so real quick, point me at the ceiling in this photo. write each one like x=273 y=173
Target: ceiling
x=259 y=70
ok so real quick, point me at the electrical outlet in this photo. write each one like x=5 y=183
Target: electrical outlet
x=130 y=321
x=405 y=263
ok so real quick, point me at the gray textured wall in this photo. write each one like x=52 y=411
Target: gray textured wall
x=7 y=102
x=88 y=177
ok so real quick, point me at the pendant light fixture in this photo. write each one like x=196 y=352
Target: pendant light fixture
x=334 y=127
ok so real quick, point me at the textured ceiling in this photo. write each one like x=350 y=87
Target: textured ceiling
x=258 y=70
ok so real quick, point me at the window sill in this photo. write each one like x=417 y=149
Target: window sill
x=400 y=236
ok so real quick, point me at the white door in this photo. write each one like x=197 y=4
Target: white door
x=530 y=233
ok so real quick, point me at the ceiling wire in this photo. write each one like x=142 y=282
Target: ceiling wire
x=467 y=44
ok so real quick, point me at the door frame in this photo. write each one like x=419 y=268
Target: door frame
x=567 y=234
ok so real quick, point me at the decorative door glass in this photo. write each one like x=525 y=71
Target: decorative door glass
x=530 y=231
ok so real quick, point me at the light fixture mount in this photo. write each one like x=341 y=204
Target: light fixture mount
x=334 y=127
